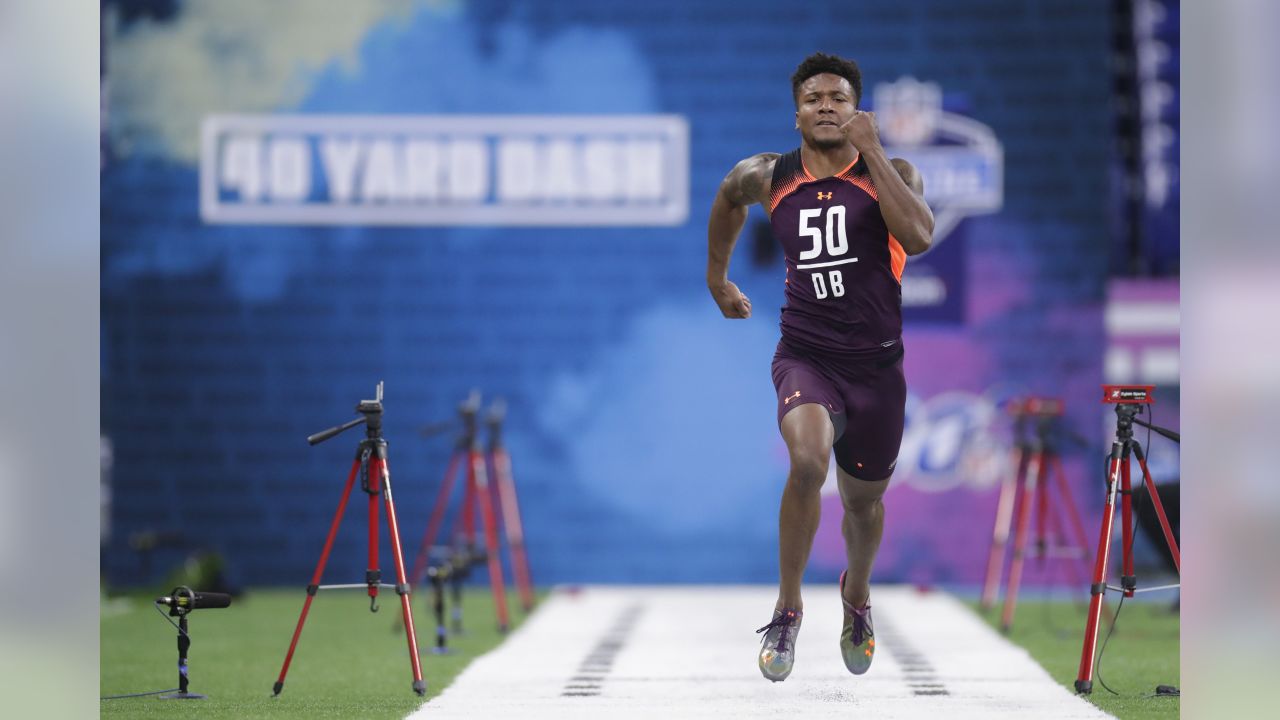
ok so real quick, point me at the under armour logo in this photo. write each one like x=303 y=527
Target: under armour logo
x=824 y=196
x=787 y=401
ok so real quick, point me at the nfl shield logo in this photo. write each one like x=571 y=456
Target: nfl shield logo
x=907 y=111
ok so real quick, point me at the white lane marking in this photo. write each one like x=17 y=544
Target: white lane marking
x=692 y=654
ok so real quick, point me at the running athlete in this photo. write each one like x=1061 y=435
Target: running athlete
x=847 y=217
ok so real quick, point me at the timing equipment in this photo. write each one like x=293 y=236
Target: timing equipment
x=1129 y=400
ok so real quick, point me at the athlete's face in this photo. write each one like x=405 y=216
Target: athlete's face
x=825 y=104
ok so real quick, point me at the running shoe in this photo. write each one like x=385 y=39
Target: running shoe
x=857 y=638
x=778 y=649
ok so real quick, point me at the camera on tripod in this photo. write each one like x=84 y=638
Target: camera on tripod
x=1129 y=401
x=1038 y=407
x=1127 y=394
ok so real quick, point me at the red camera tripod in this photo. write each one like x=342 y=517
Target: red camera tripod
x=508 y=505
x=375 y=480
x=477 y=489
x=1029 y=485
x=1128 y=401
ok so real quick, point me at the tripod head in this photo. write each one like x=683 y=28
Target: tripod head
x=1124 y=420
x=497 y=413
x=371 y=410
x=468 y=410
x=465 y=424
x=1129 y=400
x=1048 y=414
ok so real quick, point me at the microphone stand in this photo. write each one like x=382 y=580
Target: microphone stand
x=180 y=610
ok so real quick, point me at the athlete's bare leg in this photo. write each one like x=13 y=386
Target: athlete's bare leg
x=862 y=526
x=809 y=434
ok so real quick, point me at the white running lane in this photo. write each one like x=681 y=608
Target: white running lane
x=674 y=652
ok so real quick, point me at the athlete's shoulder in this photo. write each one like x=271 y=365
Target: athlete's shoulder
x=788 y=174
x=749 y=181
x=787 y=165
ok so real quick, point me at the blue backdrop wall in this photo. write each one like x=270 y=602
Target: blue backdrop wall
x=641 y=423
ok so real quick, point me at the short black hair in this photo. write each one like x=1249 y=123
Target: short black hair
x=819 y=63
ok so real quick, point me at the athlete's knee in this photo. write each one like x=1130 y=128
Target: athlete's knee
x=809 y=468
x=860 y=497
x=856 y=504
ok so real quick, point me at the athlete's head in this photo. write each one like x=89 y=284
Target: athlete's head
x=826 y=89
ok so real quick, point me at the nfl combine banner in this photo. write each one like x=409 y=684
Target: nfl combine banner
x=960 y=159
x=445 y=170
x=962 y=164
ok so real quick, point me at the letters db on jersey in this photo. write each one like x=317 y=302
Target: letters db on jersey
x=445 y=170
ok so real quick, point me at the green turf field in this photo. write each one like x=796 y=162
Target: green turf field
x=350 y=663
x=1142 y=653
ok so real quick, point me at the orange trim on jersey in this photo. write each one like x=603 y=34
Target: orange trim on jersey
x=847 y=168
x=897 y=257
x=789 y=185
x=864 y=183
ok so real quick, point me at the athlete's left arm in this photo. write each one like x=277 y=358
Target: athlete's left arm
x=898 y=185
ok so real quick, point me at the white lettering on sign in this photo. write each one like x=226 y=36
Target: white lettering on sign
x=445 y=170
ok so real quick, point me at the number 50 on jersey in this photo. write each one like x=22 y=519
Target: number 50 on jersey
x=836 y=243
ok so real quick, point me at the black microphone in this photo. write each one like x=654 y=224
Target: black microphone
x=186 y=600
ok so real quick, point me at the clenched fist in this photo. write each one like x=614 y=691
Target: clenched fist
x=861 y=130
x=733 y=304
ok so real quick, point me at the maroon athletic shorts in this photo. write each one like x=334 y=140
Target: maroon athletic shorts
x=865 y=398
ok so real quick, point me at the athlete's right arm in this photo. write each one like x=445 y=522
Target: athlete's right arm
x=747 y=184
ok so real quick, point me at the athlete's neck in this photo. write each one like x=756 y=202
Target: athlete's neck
x=826 y=162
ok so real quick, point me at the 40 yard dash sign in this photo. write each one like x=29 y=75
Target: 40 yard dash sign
x=511 y=170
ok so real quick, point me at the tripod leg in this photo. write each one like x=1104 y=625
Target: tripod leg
x=1073 y=514
x=402 y=582
x=510 y=509
x=314 y=587
x=468 y=526
x=1128 y=580
x=437 y=516
x=1084 y=677
x=372 y=573
x=1000 y=534
x=1057 y=536
x=1155 y=500
x=1020 y=540
x=492 y=550
x=1042 y=509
